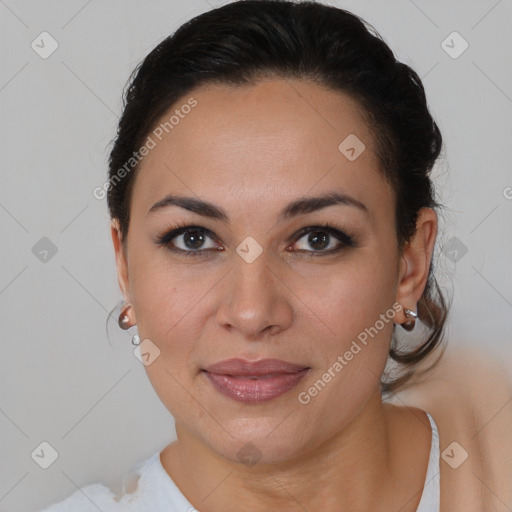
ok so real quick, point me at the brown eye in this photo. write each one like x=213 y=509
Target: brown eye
x=192 y=239
x=188 y=240
x=322 y=240
x=318 y=240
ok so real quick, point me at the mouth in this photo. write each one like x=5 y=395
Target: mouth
x=254 y=382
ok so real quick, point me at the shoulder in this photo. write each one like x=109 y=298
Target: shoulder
x=91 y=498
x=469 y=395
x=466 y=382
x=87 y=499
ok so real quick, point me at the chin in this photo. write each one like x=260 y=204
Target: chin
x=258 y=443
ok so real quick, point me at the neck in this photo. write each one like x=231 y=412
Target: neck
x=351 y=470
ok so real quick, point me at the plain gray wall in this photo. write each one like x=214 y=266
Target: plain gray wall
x=60 y=379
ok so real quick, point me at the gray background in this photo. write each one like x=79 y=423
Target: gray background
x=60 y=379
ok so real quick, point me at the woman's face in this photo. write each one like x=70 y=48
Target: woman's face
x=262 y=289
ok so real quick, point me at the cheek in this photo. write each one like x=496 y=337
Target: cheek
x=345 y=301
x=354 y=314
x=357 y=309
x=163 y=292
x=169 y=314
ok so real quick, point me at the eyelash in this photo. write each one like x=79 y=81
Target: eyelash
x=346 y=240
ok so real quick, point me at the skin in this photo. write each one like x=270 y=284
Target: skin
x=469 y=394
x=270 y=144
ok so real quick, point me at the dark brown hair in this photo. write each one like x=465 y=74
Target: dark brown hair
x=245 y=41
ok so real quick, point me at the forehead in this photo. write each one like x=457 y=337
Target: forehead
x=279 y=138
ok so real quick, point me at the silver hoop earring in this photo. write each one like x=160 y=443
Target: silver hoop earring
x=125 y=323
x=409 y=313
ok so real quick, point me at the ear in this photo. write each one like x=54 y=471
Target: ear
x=415 y=262
x=121 y=259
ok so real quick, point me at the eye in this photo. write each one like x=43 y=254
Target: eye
x=188 y=240
x=324 y=239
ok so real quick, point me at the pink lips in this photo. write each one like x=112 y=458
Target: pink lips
x=254 y=382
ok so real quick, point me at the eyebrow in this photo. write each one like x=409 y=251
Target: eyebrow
x=298 y=207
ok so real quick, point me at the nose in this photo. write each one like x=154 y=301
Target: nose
x=256 y=301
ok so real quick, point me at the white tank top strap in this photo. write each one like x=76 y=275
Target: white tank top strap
x=430 y=498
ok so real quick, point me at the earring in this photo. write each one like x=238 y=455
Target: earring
x=124 y=318
x=125 y=324
x=409 y=326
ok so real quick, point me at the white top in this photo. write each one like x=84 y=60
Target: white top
x=430 y=497
x=156 y=491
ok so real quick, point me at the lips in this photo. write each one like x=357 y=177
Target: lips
x=253 y=382
x=240 y=367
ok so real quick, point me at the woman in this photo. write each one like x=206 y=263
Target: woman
x=274 y=221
